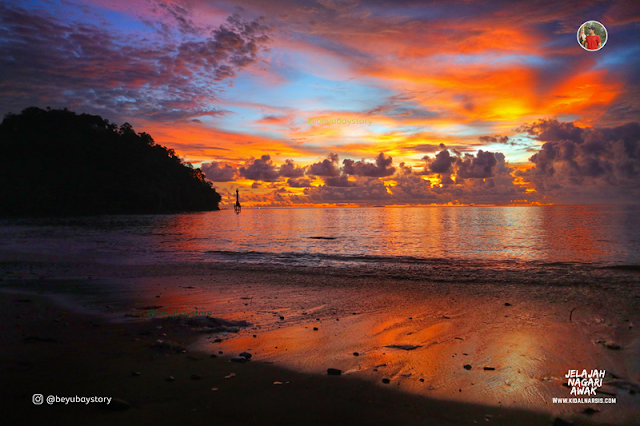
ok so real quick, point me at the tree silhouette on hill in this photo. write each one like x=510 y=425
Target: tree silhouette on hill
x=56 y=162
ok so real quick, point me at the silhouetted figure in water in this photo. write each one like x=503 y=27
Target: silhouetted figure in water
x=236 y=207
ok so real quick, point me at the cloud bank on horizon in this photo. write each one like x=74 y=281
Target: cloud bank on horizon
x=468 y=102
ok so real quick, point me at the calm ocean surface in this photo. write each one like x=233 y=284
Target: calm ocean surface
x=342 y=236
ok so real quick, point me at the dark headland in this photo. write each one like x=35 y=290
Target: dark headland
x=57 y=162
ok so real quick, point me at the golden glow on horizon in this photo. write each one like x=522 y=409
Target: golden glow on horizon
x=450 y=91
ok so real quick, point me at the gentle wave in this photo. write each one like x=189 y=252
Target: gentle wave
x=585 y=237
x=316 y=259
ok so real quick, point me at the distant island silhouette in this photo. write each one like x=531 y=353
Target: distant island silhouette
x=59 y=163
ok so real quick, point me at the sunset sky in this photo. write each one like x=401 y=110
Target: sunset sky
x=468 y=102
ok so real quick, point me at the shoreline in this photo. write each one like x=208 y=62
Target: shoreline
x=494 y=325
x=89 y=357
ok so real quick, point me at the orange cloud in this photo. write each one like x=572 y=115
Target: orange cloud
x=200 y=143
x=588 y=93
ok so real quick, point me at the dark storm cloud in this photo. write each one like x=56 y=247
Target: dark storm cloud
x=571 y=157
x=44 y=61
x=375 y=191
x=504 y=140
x=299 y=183
x=381 y=168
x=339 y=181
x=624 y=109
x=553 y=131
x=442 y=163
x=482 y=165
x=327 y=167
x=260 y=169
x=215 y=172
x=290 y=170
x=404 y=169
x=480 y=178
x=411 y=189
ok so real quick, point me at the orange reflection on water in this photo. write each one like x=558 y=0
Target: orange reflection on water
x=556 y=234
x=579 y=230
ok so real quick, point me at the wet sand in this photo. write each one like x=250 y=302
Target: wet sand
x=418 y=335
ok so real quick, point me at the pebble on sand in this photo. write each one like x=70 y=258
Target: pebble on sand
x=467 y=367
x=333 y=372
x=612 y=346
x=507 y=304
x=315 y=328
x=489 y=368
x=386 y=381
x=404 y=347
x=246 y=355
x=356 y=354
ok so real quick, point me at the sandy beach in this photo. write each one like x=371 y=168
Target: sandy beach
x=319 y=212
x=424 y=353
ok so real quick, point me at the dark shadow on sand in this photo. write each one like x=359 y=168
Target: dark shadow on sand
x=90 y=358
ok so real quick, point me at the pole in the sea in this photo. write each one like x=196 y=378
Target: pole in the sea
x=236 y=207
